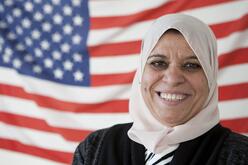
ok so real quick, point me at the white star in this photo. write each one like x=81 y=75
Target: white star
x=37 y=1
x=8 y=51
x=56 y=2
x=57 y=19
x=38 y=16
x=19 y=30
x=67 y=29
x=28 y=58
x=1 y=40
x=68 y=65
x=37 y=69
x=78 y=76
x=48 y=9
x=3 y=25
x=26 y=23
x=46 y=27
x=11 y=36
x=29 y=6
x=78 y=20
x=17 y=12
x=56 y=37
x=77 y=57
x=9 y=19
x=48 y=63
x=76 y=39
x=1 y=8
x=45 y=45
x=56 y=55
x=67 y=10
x=35 y=34
x=20 y=47
x=6 y=59
x=8 y=2
x=28 y=41
x=37 y=52
x=76 y=2
x=17 y=63
x=65 y=48
x=58 y=73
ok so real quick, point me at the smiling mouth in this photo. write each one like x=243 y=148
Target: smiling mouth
x=172 y=97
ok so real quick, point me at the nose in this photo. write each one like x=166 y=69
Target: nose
x=173 y=76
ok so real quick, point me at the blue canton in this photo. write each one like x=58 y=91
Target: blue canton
x=46 y=39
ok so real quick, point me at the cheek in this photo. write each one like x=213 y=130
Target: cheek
x=149 y=78
x=200 y=85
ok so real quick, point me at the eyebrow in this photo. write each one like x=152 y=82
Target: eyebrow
x=157 y=55
x=165 y=57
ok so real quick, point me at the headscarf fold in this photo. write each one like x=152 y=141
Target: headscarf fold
x=146 y=129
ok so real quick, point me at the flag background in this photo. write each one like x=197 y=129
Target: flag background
x=66 y=68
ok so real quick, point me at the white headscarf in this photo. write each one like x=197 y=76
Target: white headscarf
x=146 y=129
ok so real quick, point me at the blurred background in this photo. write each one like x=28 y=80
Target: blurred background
x=66 y=68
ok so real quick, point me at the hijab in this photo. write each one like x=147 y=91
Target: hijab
x=146 y=129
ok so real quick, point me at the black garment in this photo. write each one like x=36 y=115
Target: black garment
x=111 y=146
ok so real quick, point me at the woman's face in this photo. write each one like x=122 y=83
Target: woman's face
x=173 y=85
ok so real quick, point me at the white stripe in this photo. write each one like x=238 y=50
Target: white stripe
x=11 y=158
x=114 y=65
x=233 y=74
x=158 y=156
x=165 y=161
x=120 y=8
x=233 y=109
x=220 y=13
x=64 y=92
x=232 y=42
x=36 y=138
x=88 y=121
x=137 y=30
x=114 y=35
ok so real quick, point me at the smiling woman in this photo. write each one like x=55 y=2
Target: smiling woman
x=170 y=82
x=173 y=104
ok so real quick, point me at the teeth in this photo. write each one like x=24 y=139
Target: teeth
x=172 y=97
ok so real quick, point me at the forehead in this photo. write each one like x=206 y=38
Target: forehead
x=172 y=43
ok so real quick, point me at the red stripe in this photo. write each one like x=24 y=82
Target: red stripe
x=224 y=29
x=63 y=157
x=102 y=80
x=236 y=57
x=168 y=7
x=42 y=125
x=237 y=125
x=133 y=47
x=123 y=48
x=235 y=91
x=55 y=104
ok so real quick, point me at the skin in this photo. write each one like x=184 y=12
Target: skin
x=172 y=67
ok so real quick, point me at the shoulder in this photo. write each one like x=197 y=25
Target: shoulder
x=118 y=130
x=234 y=149
x=88 y=150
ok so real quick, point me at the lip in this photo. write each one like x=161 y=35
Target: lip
x=172 y=102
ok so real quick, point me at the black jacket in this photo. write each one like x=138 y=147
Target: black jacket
x=111 y=146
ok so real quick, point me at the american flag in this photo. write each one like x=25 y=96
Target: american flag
x=66 y=68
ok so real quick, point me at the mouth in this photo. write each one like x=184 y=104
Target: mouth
x=172 y=97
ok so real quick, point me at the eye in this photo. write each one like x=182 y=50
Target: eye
x=159 y=64
x=191 y=66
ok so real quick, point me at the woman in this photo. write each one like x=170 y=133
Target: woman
x=173 y=105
